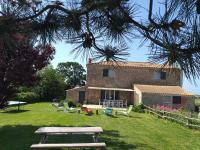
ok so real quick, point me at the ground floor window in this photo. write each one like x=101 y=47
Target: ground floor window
x=176 y=99
x=109 y=95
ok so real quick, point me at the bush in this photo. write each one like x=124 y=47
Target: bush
x=197 y=102
x=78 y=105
x=140 y=108
x=27 y=97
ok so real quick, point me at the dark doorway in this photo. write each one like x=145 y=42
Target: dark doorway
x=81 y=96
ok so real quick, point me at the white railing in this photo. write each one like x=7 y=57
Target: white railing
x=113 y=103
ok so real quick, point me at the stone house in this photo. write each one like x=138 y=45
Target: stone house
x=133 y=83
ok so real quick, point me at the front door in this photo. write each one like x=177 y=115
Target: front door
x=81 y=96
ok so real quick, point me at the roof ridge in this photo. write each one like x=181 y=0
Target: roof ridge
x=146 y=64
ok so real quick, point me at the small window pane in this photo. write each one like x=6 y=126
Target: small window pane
x=111 y=95
x=107 y=95
x=163 y=75
x=105 y=72
x=176 y=99
x=117 y=95
x=102 y=94
x=110 y=73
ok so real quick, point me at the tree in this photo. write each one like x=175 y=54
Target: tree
x=19 y=61
x=73 y=72
x=51 y=84
x=174 y=34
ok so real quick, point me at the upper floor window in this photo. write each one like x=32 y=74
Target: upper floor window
x=163 y=75
x=160 y=75
x=108 y=73
x=176 y=99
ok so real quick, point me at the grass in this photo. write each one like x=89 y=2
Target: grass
x=139 y=131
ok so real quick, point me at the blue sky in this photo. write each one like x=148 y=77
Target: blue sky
x=136 y=53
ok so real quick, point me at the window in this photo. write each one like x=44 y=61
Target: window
x=108 y=73
x=160 y=75
x=103 y=94
x=109 y=95
x=176 y=100
x=163 y=75
x=105 y=72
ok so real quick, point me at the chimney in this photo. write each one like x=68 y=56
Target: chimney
x=90 y=60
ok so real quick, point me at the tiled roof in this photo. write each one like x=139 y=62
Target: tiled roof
x=131 y=64
x=165 y=90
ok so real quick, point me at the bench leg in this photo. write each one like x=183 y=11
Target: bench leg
x=44 y=139
x=95 y=139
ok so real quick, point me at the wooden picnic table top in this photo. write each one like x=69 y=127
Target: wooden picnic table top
x=55 y=130
x=10 y=103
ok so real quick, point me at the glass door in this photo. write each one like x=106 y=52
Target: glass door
x=109 y=95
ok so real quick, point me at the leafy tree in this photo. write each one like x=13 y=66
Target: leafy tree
x=19 y=62
x=73 y=72
x=51 y=84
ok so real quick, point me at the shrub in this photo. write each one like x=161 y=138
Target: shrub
x=140 y=108
x=197 y=102
x=27 y=97
x=78 y=105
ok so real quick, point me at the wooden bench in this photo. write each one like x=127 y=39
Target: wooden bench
x=47 y=131
x=71 y=145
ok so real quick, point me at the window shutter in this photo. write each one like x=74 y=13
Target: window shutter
x=156 y=75
x=105 y=72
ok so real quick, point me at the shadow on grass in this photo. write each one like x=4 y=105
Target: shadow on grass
x=14 y=111
x=22 y=137
x=130 y=116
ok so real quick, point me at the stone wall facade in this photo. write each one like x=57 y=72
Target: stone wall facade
x=125 y=77
x=73 y=94
x=152 y=99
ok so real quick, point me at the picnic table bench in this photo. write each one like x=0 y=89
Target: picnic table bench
x=47 y=131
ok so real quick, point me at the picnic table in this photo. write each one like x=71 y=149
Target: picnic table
x=47 y=131
x=16 y=103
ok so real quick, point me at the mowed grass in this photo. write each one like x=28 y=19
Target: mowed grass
x=139 y=131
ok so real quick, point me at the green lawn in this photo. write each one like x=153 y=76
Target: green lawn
x=140 y=131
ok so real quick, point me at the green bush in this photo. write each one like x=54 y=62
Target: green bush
x=78 y=105
x=197 y=102
x=140 y=108
x=27 y=97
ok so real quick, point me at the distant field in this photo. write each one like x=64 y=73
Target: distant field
x=137 y=132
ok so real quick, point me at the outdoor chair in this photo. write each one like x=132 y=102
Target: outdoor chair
x=70 y=109
x=87 y=110
x=126 y=112
x=108 y=111
x=58 y=107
